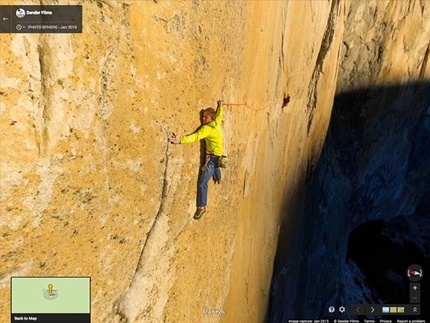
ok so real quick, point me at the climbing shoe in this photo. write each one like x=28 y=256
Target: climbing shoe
x=199 y=212
x=216 y=179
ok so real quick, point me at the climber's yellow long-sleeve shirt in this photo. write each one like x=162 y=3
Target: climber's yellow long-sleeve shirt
x=211 y=133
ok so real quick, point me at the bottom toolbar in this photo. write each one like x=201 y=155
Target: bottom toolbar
x=385 y=309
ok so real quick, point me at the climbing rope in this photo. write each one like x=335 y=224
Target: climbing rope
x=248 y=106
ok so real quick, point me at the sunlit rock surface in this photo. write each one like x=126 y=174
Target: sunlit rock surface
x=90 y=187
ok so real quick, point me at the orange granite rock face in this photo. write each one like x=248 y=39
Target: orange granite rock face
x=90 y=186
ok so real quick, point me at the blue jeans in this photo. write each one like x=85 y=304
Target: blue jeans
x=210 y=168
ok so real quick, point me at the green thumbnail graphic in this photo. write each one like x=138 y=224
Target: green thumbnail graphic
x=50 y=295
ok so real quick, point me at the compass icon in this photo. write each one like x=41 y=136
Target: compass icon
x=414 y=273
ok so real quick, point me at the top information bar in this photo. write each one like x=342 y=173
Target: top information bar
x=40 y=19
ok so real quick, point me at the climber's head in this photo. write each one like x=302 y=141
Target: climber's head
x=209 y=115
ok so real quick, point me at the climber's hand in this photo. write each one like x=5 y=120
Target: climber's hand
x=173 y=139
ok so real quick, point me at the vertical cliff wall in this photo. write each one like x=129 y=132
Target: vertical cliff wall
x=90 y=186
x=279 y=154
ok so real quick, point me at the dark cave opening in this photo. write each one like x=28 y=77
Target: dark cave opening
x=380 y=259
x=383 y=260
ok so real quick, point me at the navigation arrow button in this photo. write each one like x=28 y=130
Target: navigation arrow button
x=358 y=309
x=373 y=309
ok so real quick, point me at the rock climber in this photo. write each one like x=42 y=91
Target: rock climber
x=211 y=132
